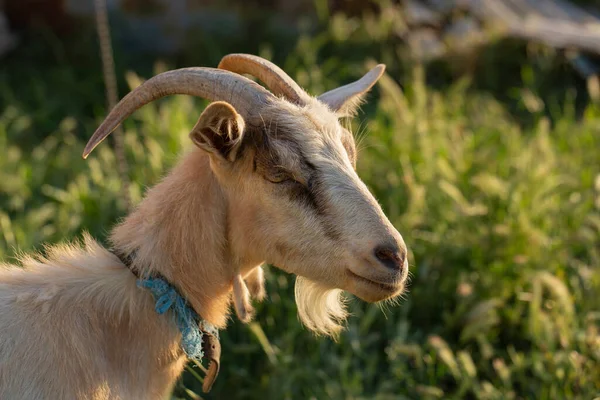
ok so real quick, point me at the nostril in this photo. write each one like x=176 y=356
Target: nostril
x=391 y=257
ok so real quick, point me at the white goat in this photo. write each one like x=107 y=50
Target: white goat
x=272 y=180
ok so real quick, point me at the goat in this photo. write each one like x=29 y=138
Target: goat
x=271 y=179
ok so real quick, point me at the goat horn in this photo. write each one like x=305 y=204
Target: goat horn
x=273 y=77
x=213 y=84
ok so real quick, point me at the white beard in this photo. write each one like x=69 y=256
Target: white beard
x=321 y=309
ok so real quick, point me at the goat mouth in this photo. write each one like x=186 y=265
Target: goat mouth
x=387 y=287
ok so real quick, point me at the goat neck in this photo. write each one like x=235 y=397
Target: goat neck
x=180 y=230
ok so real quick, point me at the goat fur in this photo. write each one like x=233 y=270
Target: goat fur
x=73 y=323
x=67 y=316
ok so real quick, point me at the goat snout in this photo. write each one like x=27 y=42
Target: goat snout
x=391 y=256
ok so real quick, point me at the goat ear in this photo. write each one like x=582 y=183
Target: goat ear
x=219 y=131
x=346 y=99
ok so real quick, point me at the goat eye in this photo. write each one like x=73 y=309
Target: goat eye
x=278 y=176
x=279 y=179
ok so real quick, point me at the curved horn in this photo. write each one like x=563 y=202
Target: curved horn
x=337 y=98
x=273 y=77
x=210 y=83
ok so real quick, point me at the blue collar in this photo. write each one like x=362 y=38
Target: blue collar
x=190 y=325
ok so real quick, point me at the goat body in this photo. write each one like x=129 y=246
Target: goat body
x=271 y=179
x=74 y=325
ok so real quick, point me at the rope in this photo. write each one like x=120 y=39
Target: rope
x=110 y=81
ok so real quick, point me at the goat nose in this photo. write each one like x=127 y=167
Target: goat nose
x=390 y=256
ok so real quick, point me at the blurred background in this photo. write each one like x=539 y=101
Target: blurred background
x=482 y=143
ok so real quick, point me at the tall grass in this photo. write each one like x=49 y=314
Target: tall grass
x=502 y=220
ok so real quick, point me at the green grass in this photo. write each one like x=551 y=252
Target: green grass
x=501 y=214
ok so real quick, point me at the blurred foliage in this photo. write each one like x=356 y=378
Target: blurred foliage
x=495 y=188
